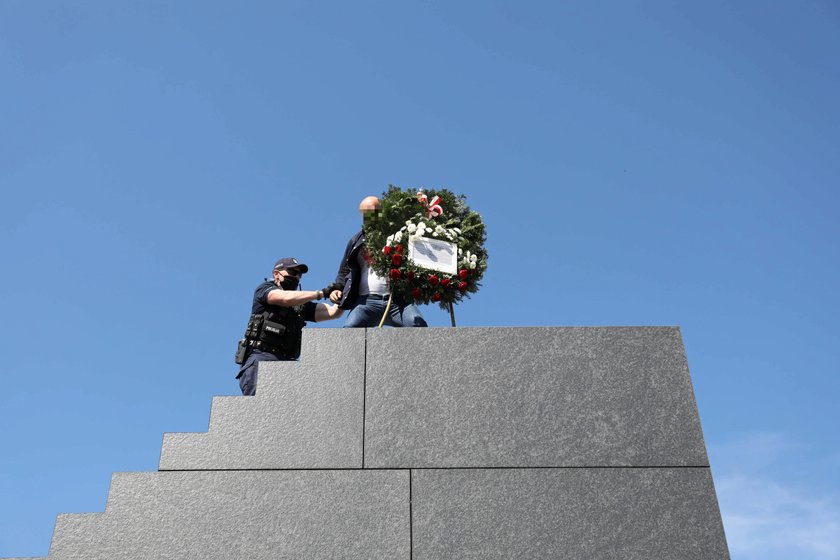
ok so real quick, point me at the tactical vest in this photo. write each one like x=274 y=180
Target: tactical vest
x=277 y=330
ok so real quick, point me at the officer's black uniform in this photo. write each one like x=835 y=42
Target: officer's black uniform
x=264 y=340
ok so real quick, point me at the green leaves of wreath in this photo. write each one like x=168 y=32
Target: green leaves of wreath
x=435 y=214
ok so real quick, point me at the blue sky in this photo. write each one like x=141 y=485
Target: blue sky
x=636 y=163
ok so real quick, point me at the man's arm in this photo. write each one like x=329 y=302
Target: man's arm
x=324 y=312
x=291 y=298
x=343 y=270
x=344 y=267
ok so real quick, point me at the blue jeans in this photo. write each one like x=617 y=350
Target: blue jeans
x=368 y=311
x=248 y=372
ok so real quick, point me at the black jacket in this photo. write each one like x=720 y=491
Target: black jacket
x=349 y=271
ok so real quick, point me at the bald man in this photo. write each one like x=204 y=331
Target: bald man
x=364 y=292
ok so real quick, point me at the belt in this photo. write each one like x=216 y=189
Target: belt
x=375 y=296
x=263 y=347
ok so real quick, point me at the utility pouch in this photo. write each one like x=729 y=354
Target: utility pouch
x=272 y=333
x=241 y=350
x=252 y=331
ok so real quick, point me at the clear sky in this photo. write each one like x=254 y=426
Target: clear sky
x=636 y=163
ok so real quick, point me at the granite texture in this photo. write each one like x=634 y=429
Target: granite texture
x=607 y=513
x=549 y=442
x=530 y=397
x=306 y=414
x=246 y=514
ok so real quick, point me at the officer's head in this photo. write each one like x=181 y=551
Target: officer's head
x=287 y=272
x=369 y=206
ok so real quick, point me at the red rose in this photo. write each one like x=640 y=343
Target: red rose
x=462 y=286
x=398 y=249
x=410 y=275
x=445 y=282
x=462 y=273
x=395 y=274
x=396 y=259
x=416 y=293
x=386 y=250
x=433 y=280
x=435 y=297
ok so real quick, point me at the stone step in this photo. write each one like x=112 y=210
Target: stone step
x=75 y=530
x=634 y=513
x=246 y=514
x=469 y=397
x=569 y=513
x=306 y=414
x=530 y=397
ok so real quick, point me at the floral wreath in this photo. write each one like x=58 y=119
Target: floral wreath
x=408 y=215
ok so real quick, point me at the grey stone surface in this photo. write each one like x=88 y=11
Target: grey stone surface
x=592 y=513
x=77 y=531
x=306 y=414
x=576 y=442
x=530 y=397
x=257 y=515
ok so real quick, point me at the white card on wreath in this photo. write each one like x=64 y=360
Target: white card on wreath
x=434 y=254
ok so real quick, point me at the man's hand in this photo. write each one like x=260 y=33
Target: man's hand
x=335 y=296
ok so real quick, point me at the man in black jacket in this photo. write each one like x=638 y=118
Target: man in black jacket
x=364 y=292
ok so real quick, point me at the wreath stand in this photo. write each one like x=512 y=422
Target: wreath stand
x=387 y=309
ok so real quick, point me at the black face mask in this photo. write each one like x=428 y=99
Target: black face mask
x=290 y=282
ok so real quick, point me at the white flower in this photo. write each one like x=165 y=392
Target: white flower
x=398 y=236
x=473 y=258
x=408 y=223
x=472 y=265
x=460 y=251
x=389 y=240
x=411 y=228
x=456 y=230
x=434 y=233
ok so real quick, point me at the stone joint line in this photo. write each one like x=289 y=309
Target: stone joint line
x=364 y=400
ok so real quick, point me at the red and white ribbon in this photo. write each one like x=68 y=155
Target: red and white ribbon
x=433 y=208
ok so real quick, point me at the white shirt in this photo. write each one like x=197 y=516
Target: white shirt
x=370 y=282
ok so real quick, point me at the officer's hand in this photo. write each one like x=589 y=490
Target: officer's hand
x=335 y=296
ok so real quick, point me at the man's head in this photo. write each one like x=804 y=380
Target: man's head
x=287 y=272
x=369 y=206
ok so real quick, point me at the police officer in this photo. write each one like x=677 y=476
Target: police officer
x=278 y=315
